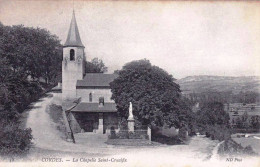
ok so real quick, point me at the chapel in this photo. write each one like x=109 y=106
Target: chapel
x=95 y=112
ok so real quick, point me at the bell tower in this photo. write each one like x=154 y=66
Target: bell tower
x=73 y=63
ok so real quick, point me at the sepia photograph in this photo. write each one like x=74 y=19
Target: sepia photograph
x=129 y=83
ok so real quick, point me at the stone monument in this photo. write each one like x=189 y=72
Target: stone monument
x=131 y=121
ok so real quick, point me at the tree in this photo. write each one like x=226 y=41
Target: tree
x=32 y=51
x=156 y=98
x=239 y=123
x=212 y=113
x=15 y=92
x=116 y=72
x=213 y=121
x=23 y=52
x=244 y=120
x=255 y=122
x=95 y=66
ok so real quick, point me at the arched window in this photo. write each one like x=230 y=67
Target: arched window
x=101 y=101
x=90 y=97
x=72 y=55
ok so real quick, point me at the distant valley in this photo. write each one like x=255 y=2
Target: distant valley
x=203 y=83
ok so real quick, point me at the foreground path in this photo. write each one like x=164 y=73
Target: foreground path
x=43 y=130
x=47 y=137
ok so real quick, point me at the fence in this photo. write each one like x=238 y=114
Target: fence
x=126 y=134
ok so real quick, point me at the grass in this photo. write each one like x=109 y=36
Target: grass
x=55 y=112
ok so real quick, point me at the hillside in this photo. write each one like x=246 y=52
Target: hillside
x=204 y=83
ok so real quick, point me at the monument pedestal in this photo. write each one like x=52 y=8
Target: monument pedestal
x=131 y=124
x=131 y=120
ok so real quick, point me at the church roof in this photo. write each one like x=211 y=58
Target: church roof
x=94 y=107
x=73 y=38
x=93 y=80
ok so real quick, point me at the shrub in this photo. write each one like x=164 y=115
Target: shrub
x=123 y=132
x=248 y=150
x=167 y=140
x=192 y=129
x=112 y=133
x=230 y=147
x=183 y=133
x=14 y=141
x=142 y=134
x=216 y=132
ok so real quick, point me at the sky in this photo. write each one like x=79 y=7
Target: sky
x=184 y=38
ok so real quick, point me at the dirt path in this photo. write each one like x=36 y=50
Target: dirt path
x=43 y=130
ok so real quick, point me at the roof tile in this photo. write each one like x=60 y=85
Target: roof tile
x=96 y=80
x=94 y=107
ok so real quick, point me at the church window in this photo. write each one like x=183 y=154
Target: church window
x=72 y=54
x=90 y=97
x=101 y=101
